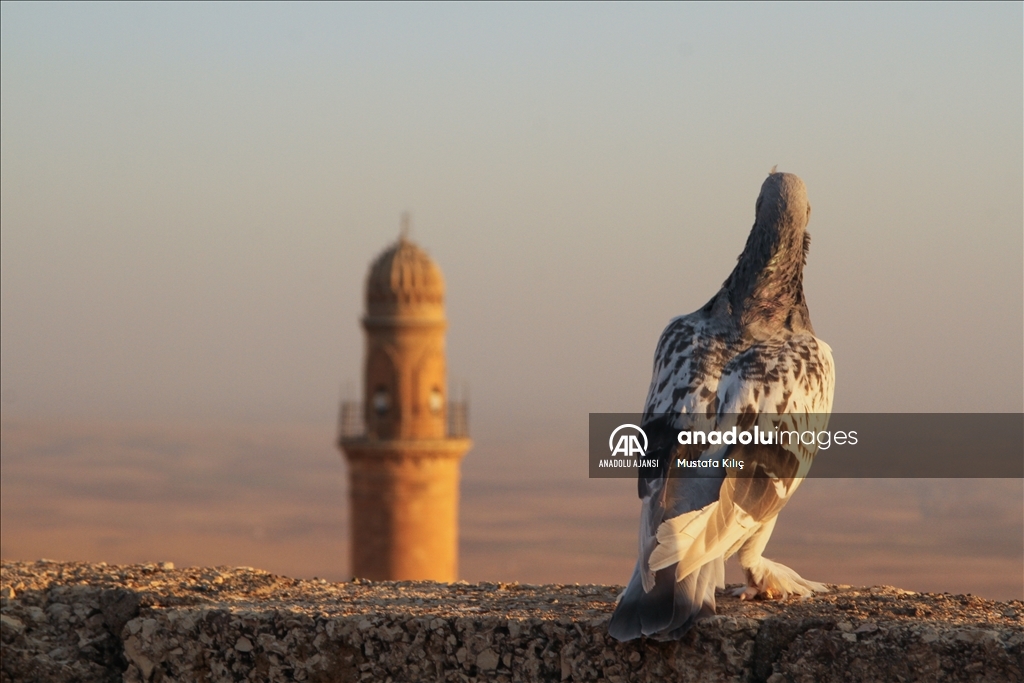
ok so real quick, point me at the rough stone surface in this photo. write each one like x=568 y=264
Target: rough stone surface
x=153 y=623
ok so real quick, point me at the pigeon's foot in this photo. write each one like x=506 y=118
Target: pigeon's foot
x=772 y=580
x=754 y=592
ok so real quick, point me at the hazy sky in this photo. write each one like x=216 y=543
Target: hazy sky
x=191 y=196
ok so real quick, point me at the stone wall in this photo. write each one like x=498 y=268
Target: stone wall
x=81 y=622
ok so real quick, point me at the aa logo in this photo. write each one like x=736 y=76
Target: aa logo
x=628 y=444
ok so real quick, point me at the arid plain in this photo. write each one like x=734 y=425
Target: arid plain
x=273 y=496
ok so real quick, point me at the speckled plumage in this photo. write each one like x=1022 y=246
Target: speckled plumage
x=747 y=357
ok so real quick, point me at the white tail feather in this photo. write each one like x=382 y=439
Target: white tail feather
x=695 y=538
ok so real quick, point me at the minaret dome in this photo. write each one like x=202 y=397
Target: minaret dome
x=405 y=282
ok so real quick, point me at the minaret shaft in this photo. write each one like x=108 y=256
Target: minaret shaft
x=404 y=471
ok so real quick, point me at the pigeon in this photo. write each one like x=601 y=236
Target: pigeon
x=749 y=358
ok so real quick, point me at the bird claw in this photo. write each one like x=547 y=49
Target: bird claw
x=755 y=593
x=747 y=593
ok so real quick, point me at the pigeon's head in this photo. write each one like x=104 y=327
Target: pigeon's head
x=767 y=284
x=783 y=202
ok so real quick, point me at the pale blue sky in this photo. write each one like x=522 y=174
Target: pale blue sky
x=191 y=195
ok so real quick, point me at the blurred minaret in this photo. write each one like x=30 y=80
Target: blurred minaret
x=404 y=453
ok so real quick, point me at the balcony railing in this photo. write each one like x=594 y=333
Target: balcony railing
x=352 y=421
x=457 y=423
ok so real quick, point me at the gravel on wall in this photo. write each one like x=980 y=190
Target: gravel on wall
x=66 y=621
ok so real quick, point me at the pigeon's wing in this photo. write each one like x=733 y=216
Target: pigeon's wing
x=688 y=361
x=779 y=385
x=682 y=396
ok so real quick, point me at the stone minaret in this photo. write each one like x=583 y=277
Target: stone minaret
x=403 y=461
